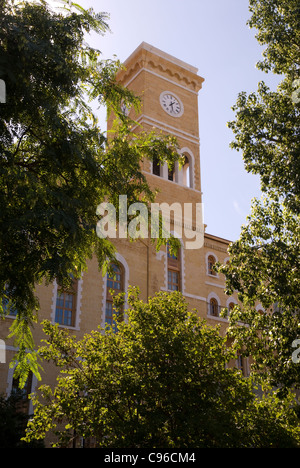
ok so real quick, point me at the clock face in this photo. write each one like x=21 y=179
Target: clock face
x=171 y=104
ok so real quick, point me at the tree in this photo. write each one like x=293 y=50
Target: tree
x=161 y=379
x=57 y=164
x=265 y=261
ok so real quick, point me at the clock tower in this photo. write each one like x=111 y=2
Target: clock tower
x=168 y=88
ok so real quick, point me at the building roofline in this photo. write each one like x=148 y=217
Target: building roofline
x=164 y=55
x=217 y=238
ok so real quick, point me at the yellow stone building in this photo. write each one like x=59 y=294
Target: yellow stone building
x=169 y=90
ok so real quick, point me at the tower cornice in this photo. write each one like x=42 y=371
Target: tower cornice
x=147 y=57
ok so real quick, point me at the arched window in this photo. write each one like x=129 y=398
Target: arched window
x=66 y=301
x=210 y=264
x=173 y=270
x=186 y=177
x=186 y=172
x=213 y=307
x=114 y=285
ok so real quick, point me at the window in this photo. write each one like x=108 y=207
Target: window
x=210 y=265
x=8 y=305
x=22 y=393
x=114 y=285
x=187 y=168
x=65 y=312
x=109 y=313
x=182 y=174
x=213 y=307
x=9 y=308
x=186 y=172
x=173 y=270
x=156 y=167
x=241 y=364
x=173 y=280
x=115 y=281
x=171 y=174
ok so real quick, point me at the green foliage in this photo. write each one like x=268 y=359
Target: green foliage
x=267 y=122
x=56 y=163
x=277 y=23
x=264 y=264
x=267 y=131
x=264 y=268
x=162 y=380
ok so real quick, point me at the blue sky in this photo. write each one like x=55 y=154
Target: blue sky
x=212 y=36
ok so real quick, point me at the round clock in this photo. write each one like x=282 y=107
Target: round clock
x=171 y=104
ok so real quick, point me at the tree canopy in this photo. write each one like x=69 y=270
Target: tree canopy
x=163 y=378
x=265 y=261
x=57 y=164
